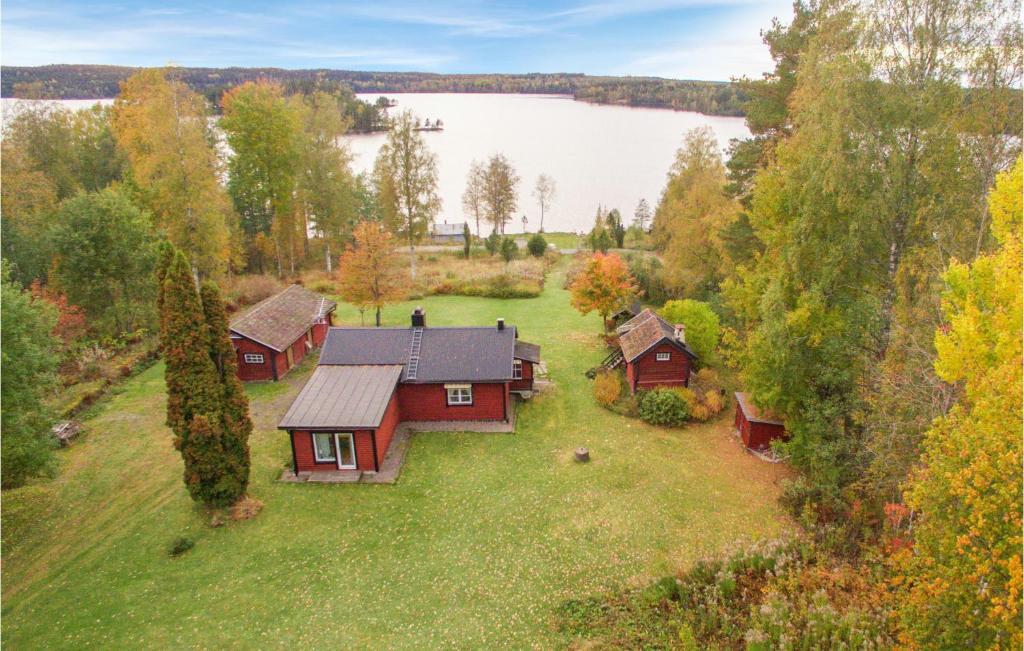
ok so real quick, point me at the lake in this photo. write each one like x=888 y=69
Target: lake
x=598 y=155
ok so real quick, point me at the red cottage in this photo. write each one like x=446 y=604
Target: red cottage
x=757 y=428
x=655 y=353
x=371 y=379
x=275 y=334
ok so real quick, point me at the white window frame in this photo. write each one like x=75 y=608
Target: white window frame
x=351 y=450
x=459 y=395
x=517 y=369
x=250 y=358
x=330 y=443
x=662 y=357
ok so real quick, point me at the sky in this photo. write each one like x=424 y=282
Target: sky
x=682 y=39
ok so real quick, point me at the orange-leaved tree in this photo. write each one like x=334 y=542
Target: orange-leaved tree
x=603 y=286
x=369 y=273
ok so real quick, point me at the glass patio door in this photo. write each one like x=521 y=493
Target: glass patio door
x=345 y=445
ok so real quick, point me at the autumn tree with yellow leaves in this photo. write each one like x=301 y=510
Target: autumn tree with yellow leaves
x=369 y=275
x=964 y=575
x=163 y=128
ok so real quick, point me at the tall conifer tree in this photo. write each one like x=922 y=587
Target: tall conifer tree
x=195 y=395
x=235 y=404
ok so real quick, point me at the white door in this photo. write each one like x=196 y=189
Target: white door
x=345 y=445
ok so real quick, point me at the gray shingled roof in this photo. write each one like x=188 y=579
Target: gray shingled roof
x=527 y=351
x=644 y=331
x=284 y=317
x=344 y=397
x=446 y=354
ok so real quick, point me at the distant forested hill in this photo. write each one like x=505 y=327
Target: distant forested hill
x=91 y=82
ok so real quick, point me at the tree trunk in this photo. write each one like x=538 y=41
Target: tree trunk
x=412 y=259
x=541 y=218
x=277 y=254
x=327 y=255
x=378 y=316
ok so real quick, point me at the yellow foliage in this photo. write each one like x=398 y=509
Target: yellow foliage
x=964 y=577
x=161 y=125
x=607 y=388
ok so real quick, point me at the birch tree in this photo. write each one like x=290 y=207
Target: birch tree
x=265 y=133
x=500 y=191
x=406 y=175
x=473 y=195
x=163 y=128
x=544 y=191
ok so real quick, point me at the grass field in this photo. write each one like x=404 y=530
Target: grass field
x=483 y=536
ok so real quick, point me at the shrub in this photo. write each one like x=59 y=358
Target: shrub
x=704 y=395
x=241 y=291
x=537 y=245
x=180 y=546
x=493 y=242
x=664 y=407
x=607 y=388
x=509 y=249
x=323 y=287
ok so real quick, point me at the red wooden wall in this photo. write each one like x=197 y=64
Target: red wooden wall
x=253 y=371
x=429 y=402
x=757 y=436
x=305 y=461
x=646 y=372
x=525 y=384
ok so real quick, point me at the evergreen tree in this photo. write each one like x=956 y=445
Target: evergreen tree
x=194 y=395
x=235 y=405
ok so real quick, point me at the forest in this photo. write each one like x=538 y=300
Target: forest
x=90 y=81
x=862 y=251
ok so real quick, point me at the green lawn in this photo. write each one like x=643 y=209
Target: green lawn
x=481 y=538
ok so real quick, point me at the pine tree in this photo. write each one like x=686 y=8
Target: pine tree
x=235 y=405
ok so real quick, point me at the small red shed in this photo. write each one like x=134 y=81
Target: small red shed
x=655 y=352
x=277 y=333
x=757 y=428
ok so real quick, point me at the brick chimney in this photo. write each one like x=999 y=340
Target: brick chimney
x=501 y=324
x=681 y=332
x=419 y=318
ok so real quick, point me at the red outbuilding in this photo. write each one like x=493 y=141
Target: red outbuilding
x=757 y=428
x=654 y=352
x=371 y=379
x=276 y=334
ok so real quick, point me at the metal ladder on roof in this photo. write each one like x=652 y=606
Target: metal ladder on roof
x=414 y=354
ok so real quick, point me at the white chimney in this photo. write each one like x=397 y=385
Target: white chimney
x=681 y=332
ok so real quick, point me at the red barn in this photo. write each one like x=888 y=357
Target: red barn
x=655 y=352
x=757 y=428
x=276 y=334
x=371 y=379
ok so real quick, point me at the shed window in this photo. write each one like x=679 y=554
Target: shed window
x=662 y=357
x=253 y=358
x=323 y=447
x=517 y=369
x=459 y=394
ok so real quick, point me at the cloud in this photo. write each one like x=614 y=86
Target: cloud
x=364 y=56
x=460 y=21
